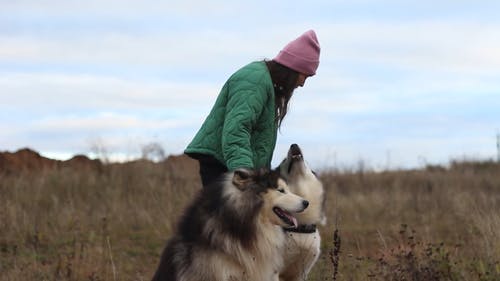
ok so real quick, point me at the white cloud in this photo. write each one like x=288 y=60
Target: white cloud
x=451 y=46
x=106 y=121
x=40 y=90
x=126 y=8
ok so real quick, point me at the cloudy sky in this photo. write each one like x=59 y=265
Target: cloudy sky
x=400 y=83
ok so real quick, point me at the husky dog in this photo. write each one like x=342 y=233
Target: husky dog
x=303 y=242
x=233 y=230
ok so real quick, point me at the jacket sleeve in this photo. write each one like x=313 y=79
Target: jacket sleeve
x=242 y=112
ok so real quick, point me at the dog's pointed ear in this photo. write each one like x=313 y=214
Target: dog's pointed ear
x=241 y=178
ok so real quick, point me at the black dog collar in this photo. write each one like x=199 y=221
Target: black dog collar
x=303 y=228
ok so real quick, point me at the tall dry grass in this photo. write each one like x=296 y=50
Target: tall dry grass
x=431 y=224
x=73 y=224
x=111 y=224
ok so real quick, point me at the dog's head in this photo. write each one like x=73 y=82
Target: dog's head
x=268 y=189
x=304 y=182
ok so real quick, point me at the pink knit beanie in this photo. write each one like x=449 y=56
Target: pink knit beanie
x=302 y=54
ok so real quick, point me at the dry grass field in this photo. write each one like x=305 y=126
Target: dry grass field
x=83 y=220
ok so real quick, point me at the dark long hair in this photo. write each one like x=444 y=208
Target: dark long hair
x=284 y=81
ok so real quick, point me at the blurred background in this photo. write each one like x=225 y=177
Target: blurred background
x=402 y=123
x=401 y=84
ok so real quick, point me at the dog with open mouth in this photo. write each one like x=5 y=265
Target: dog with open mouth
x=233 y=230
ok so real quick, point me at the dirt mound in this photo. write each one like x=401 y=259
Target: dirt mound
x=82 y=162
x=182 y=165
x=28 y=160
x=25 y=160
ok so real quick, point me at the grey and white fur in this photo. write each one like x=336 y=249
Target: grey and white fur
x=233 y=230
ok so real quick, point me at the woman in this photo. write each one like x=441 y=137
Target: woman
x=241 y=129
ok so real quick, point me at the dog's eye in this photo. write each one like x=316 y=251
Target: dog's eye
x=282 y=190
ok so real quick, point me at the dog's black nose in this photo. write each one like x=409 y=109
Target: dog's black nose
x=305 y=203
x=295 y=150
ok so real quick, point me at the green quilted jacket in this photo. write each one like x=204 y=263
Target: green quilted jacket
x=240 y=130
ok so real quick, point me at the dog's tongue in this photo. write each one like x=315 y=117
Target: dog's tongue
x=290 y=219
x=295 y=223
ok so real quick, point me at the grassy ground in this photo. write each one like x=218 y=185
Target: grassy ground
x=112 y=223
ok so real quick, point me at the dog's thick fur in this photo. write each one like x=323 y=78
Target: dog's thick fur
x=233 y=230
x=303 y=248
